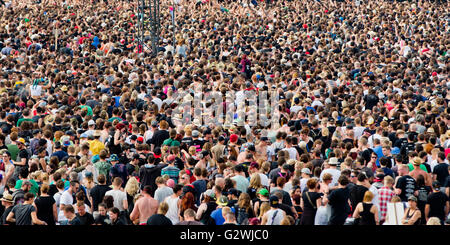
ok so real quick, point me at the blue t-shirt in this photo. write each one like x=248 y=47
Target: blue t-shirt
x=218 y=217
x=117 y=100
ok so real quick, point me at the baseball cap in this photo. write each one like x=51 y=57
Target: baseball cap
x=221 y=138
x=233 y=191
x=412 y=198
x=264 y=138
x=114 y=157
x=306 y=171
x=91 y=122
x=233 y=138
x=223 y=201
x=274 y=202
x=195 y=133
x=264 y=192
x=154 y=123
x=21 y=140
x=210 y=193
x=436 y=185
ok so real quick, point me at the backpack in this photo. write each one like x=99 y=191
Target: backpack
x=241 y=215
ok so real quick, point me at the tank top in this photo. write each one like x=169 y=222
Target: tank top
x=172 y=213
x=367 y=218
x=409 y=216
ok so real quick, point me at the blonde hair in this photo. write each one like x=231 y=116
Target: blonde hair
x=263 y=209
x=388 y=180
x=163 y=208
x=255 y=181
x=132 y=186
x=396 y=199
x=434 y=221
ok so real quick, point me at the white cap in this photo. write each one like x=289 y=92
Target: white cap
x=91 y=122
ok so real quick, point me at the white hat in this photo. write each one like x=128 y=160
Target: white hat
x=333 y=161
x=91 y=122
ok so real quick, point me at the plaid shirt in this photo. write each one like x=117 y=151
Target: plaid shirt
x=385 y=195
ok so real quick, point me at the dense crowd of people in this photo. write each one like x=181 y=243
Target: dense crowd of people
x=96 y=130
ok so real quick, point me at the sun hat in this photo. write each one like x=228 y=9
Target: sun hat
x=333 y=161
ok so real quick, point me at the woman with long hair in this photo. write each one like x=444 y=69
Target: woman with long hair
x=254 y=185
x=131 y=189
x=187 y=202
x=243 y=209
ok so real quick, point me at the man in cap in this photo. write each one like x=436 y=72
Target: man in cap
x=8 y=203
x=222 y=202
x=218 y=150
x=305 y=176
x=22 y=157
x=332 y=162
x=96 y=145
x=437 y=204
x=118 y=169
x=275 y=215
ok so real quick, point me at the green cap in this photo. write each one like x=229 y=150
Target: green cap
x=264 y=192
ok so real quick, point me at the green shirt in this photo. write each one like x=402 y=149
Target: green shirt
x=89 y=110
x=115 y=118
x=171 y=142
x=23 y=120
x=411 y=167
x=14 y=150
x=34 y=186
x=103 y=167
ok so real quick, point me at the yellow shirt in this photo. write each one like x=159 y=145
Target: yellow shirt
x=96 y=146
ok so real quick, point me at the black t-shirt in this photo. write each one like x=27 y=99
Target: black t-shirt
x=198 y=143
x=338 y=200
x=86 y=219
x=52 y=190
x=4 y=215
x=23 y=154
x=159 y=137
x=408 y=186
x=447 y=182
x=287 y=209
x=22 y=214
x=313 y=196
x=437 y=202
x=44 y=205
x=102 y=220
x=200 y=187
x=158 y=219
x=357 y=195
x=75 y=221
x=441 y=171
x=98 y=193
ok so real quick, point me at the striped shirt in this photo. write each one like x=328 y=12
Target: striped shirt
x=172 y=172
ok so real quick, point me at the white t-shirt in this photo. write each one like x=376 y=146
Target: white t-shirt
x=334 y=172
x=65 y=199
x=36 y=90
x=119 y=196
x=172 y=213
x=264 y=179
x=292 y=153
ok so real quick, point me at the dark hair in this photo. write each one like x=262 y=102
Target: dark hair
x=28 y=196
x=420 y=180
x=109 y=201
x=69 y=209
x=362 y=176
x=177 y=188
x=343 y=180
x=101 y=178
x=114 y=210
x=147 y=189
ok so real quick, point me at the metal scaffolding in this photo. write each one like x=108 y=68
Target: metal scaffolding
x=148 y=20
